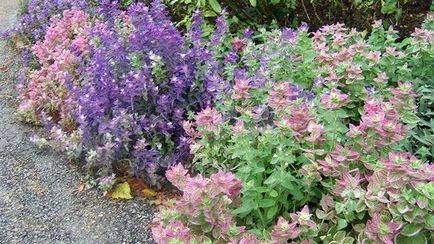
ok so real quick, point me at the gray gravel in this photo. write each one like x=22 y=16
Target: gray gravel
x=39 y=202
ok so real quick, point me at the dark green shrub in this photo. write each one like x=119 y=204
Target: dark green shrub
x=405 y=14
x=422 y=141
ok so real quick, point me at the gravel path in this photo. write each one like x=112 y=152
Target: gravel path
x=38 y=198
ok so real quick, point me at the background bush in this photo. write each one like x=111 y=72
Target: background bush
x=422 y=141
x=404 y=14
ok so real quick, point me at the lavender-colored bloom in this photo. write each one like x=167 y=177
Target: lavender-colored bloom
x=371 y=90
x=318 y=81
x=221 y=29
x=303 y=27
x=231 y=58
x=196 y=29
x=289 y=35
x=308 y=96
x=248 y=33
x=138 y=86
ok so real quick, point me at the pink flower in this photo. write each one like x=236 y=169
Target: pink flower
x=333 y=78
x=359 y=47
x=238 y=44
x=190 y=131
x=227 y=183
x=342 y=154
x=329 y=166
x=354 y=72
x=249 y=239
x=177 y=175
x=424 y=35
x=379 y=126
x=354 y=131
x=403 y=97
x=398 y=162
x=349 y=183
x=334 y=99
x=382 y=232
x=195 y=190
x=391 y=51
x=381 y=78
x=282 y=96
x=298 y=121
x=209 y=119
x=175 y=231
x=238 y=128
x=424 y=172
x=316 y=132
x=283 y=231
x=241 y=89
x=303 y=217
x=373 y=57
x=338 y=39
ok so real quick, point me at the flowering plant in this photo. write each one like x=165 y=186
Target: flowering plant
x=142 y=79
x=116 y=88
x=34 y=21
x=329 y=135
x=46 y=94
x=203 y=213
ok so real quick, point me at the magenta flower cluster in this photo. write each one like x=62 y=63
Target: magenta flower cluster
x=203 y=212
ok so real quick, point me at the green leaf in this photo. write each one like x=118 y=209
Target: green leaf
x=253 y=3
x=271 y=179
x=347 y=240
x=215 y=6
x=245 y=209
x=266 y=203
x=273 y=193
x=258 y=170
x=429 y=221
x=122 y=191
x=411 y=230
x=271 y=212
x=274 y=2
x=206 y=227
x=388 y=6
x=293 y=189
x=342 y=223
x=417 y=239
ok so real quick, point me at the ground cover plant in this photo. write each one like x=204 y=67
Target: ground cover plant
x=315 y=130
x=278 y=136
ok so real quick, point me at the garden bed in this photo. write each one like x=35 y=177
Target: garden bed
x=271 y=135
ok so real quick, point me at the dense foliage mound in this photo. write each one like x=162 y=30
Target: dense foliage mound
x=315 y=129
x=115 y=88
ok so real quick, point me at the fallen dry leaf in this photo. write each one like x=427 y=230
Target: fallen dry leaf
x=163 y=197
x=122 y=191
x=136 y=184
x=148 y=192
x=81 y=187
